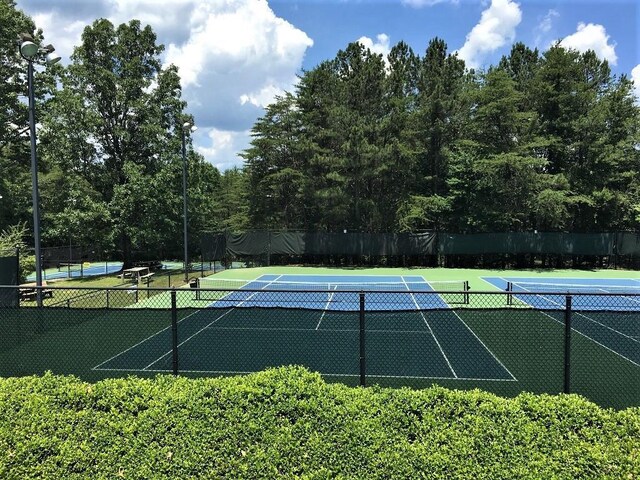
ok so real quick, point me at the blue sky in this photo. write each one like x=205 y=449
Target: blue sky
x=234 y=56
x=332 y=24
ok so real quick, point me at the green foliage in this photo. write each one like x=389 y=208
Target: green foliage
x=288 y=423
x=541 y=141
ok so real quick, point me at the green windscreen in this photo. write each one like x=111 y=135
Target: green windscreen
x=8 y=276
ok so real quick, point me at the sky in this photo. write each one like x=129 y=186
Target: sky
x=236 y=56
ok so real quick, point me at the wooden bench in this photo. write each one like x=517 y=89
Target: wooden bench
x=28 y=291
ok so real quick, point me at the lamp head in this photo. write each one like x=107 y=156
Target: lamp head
x=28 y=49
x=52 y=58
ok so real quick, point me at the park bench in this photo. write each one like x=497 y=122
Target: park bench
x=28 y=291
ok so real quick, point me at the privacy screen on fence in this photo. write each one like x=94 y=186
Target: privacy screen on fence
x=217 y=246
x=320 y=243
x=8 y=276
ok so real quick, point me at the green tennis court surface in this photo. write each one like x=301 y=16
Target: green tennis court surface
x=251 y=328
x=421 y=345
x=413 y=335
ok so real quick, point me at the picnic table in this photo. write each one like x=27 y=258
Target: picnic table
x=137 y=274
x=28 y=291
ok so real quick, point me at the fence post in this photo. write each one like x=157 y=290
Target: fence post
x=108 y=297
x=174 y=331
x=567 y=344
x=362 y=344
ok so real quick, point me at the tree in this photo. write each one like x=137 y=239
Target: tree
x=275 y=165
x=15 y=181
x=117 y=123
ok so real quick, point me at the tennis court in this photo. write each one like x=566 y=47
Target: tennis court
x=411 y=331
x=611 y=321
x=78 y=270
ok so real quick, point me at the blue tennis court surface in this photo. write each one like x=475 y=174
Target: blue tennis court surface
x=591 y=293
x=327 y=292
x=88 y=270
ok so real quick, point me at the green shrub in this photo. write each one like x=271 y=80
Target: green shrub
x=289 y=423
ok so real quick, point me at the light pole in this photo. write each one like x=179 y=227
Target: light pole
x=187 y=127
x=35 y=53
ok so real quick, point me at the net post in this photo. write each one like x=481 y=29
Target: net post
x=174 y=332
x=509 y=295
x=362 y=344
x=567 y=344
x=198 y=286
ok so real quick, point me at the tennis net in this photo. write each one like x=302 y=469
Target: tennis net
x=70 y=266
x=533 y=288
x=210 y=288
x=568 y=288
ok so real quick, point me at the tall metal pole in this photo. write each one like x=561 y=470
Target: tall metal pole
x=34 y=182
x=184 y=199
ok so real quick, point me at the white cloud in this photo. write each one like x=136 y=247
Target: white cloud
x=234 y=56
x=544 y=27
x=63 y=35
x=221 y=147
x=592 y=37
x=635 y=76
x=381 y=46
x=547 y=22
x=496 y=28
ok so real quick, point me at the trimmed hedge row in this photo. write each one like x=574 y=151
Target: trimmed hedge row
x=288 y=423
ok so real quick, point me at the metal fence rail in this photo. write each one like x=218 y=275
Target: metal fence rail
x=504 y=342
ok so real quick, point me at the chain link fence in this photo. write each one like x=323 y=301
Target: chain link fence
x=505 y=342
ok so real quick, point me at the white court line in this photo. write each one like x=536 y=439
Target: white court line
x=211 y=323
x=340 y=330
x=430 y=330
x=482 y=343
x=97 y=367
x=141 y=342
x=582 y=315
x=622 y=296
x=585 y=335
x=486 y=348
x=326 y=306
x=352 y=375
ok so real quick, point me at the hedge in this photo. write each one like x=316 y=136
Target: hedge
x=289 y=423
